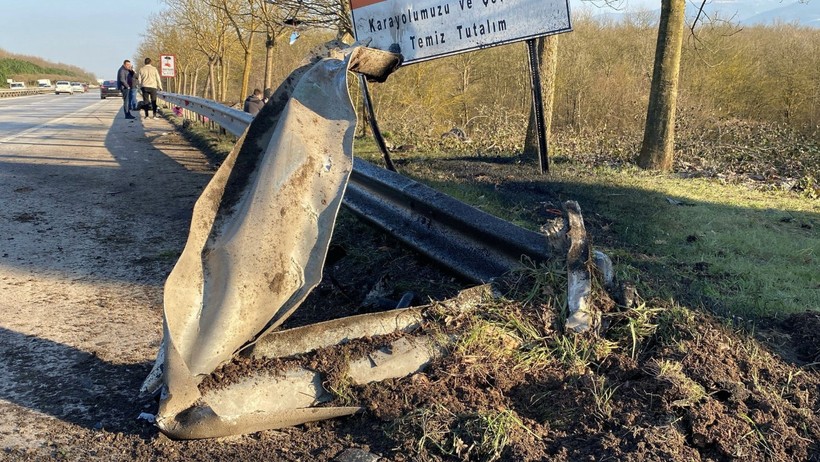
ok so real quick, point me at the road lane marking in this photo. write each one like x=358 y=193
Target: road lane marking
x=45 y=124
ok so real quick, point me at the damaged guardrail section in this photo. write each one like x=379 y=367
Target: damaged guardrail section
x=257 y=246
x=469 y=242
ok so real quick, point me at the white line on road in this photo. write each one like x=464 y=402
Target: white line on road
x=32 y=129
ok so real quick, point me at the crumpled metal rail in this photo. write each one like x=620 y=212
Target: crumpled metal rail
x=257 y=243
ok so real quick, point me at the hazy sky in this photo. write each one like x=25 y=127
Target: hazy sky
x=97 y=35
x=92 y=34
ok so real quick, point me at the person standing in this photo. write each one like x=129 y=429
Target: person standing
x=150 y=82
x=253 y=103
x=124 y=87
x=132 y=94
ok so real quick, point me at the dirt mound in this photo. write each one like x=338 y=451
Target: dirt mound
x=663 y=383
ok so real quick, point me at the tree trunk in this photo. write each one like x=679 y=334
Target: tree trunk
x=194 y=87
x=659 y=136
x=269 y=43
x=246 y=70
x=223 y=88
x=212 y=79
x=547 y=65
x=186 y=77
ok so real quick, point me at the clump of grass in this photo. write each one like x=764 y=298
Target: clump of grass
x=491 y=433
x=342 y=390
x=674 y=324
x=630 y=328
x=489 y=341
x=430 y=429
x=602 y=393
x=501 y=335
x=671 y=372
x=577 y=352
x=759 y=437
x=437 y=431
x=539 y=284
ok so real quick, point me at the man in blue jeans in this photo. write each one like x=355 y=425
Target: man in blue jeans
x=132 y=95
x=124 y=87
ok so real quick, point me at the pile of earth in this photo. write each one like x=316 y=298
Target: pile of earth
x=660 y=382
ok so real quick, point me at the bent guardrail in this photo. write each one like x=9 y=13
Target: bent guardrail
x=468 y=241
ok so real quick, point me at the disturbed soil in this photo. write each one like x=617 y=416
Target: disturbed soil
x=661 y=381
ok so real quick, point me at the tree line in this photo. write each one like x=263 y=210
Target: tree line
x=604 y=79
x=23 y=68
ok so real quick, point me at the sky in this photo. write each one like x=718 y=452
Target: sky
x=98 y=35
x=94 y=35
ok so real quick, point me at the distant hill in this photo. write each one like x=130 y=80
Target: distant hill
x=30 y=68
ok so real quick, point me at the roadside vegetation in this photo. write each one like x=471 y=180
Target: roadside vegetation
x=718 y=356
x=29 y=69
x=717 y=359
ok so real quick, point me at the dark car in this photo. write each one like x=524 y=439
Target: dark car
x=109 y=88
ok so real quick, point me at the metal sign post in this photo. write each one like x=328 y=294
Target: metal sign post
x=538 y=106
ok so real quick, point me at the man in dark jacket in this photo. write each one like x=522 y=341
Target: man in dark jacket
x=253 y=103
x=123 y=85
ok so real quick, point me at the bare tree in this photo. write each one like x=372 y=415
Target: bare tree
x=164 y=37
x=272 y=19
x=319 y=14
x=243 y=18
x=657 y=150
x=208 y=28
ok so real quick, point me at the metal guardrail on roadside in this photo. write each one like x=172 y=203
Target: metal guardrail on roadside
x=472 y=243
x=24 y=92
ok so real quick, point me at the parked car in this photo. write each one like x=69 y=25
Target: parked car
x=17 y=85
x=63 y=86
x=109 y=88
x=78 y=87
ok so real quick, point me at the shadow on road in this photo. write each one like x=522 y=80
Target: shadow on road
x=72 y=385
x=94 y=218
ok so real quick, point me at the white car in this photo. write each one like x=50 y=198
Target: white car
x=63 y=86
x=17 y=86
x=77 y=87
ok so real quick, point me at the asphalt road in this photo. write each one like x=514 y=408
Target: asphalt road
x=94 y=210
x=22 y=115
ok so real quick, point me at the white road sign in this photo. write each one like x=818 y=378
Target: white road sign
x=167 y=66
x=427 y=29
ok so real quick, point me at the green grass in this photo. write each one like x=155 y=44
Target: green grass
x=733 y=250
x=749 y=253
x=729 y=248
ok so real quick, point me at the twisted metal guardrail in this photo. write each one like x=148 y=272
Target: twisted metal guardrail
x=468 y=241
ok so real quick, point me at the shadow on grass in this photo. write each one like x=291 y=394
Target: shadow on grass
x=735 y=261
